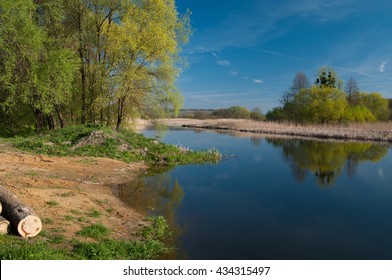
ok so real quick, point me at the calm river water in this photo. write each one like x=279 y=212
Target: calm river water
x=272 y=199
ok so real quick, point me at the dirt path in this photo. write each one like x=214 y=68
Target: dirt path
x=68 y=193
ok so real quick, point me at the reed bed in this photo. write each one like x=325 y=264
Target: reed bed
x=361 y=132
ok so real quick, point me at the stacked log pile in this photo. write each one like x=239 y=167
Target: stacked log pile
x=14 y=213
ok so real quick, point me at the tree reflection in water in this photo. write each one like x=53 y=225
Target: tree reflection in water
x=157 y=194
x=327 y=160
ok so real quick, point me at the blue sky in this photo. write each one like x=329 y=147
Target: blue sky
x=247 y=52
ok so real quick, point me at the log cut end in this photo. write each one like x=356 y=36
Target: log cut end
x=5 y=226
x=30 y=226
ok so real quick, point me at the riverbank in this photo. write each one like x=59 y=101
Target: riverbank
x=70 y=178
x=379 y=132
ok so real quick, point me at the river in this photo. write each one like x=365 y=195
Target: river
x=272 y=199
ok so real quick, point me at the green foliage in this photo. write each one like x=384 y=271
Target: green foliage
x=390 y=108
x=276 y=114
x=326 y=78
x=159 y=229
x=234 y=112
x=359 y=114
x=111 y=57
x=123 y=145
x=256 y=114
x=37 y=73
x=376 y=104
x=327 y=103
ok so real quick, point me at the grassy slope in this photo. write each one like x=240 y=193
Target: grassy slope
x=122 y=145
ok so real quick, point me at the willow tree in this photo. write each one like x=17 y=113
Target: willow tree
x=129 y=56
x=35 y=71
x=144 y=53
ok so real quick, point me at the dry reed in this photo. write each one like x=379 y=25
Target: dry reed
x=360 y=132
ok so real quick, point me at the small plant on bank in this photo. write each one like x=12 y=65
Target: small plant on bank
x=97 y=231
x=159 y=229
x=94 y=213
x=52 y=203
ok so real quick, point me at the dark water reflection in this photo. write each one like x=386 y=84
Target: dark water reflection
x=327 y=160
x=276 y=199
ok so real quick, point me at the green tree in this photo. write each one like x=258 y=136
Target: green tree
x=234 y=112
x=256 y=114
x=327 y=77
x=276 y=114
x=129 y=55
x=35 y=70
x=377 y=104
x=320 y=105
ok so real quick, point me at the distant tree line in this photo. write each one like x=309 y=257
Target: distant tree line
x=234 y=112
x=89 y=61
x=327 y=101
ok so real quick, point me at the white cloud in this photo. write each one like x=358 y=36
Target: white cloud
x=382 y=67
x=234 y=73
x=257 y=81
x=223 y=62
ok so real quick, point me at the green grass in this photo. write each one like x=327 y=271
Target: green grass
x=119 y=250
x=76 y=212
x=57 y=247
x=97 y=231
x=63 y=142
x=94 y=213
x=69 y=218
x=159 y=229
x=52 y=203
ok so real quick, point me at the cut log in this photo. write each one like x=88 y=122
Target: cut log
x=22 y=217
x=4 y=225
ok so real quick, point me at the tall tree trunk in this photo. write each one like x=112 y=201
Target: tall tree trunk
x=51 y=121
x=82 y=68
x=101 y=118
x=40 y=119
x=60 y=116
x=84 y=84
x=108 y=117
x=120 y=111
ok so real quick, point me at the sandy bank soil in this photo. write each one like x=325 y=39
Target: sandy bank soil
x=69 y=193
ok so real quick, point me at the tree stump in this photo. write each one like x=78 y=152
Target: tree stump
x=4 y=225
x=22 y=217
